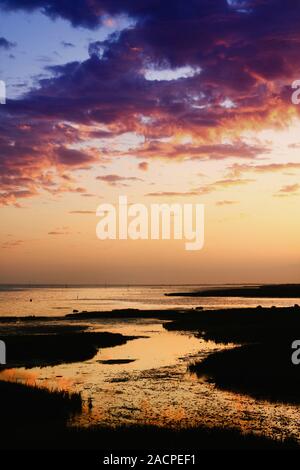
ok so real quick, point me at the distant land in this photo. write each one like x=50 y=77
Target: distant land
x=264 y=291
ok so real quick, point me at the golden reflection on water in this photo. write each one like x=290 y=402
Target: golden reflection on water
x=156 y=388
x=53 y=301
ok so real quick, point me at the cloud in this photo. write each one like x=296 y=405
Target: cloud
x=82 y=212
x=241 y=60
x=35 y=156
x=5 y=44
x=169 y=150
x=143 y=166
x=67 y=44
x=79 y=13
x=226 y=203
x=71 y=157
x=238 y=169
x=57 y=233
x=203 y=190
x=11 y=244
x=12 y=197
x=116 y=180
x=90 y=195
x=172 y=194
x=229 y=182
x=288 y=190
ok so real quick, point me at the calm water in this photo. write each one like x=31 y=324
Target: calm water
x=54 y=301
x=155 y=386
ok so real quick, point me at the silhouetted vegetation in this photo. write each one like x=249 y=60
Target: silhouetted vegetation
x=116 y=361
x=141 y=438
x=21 y=402
x=36 y=419
x=127 y=313
x=262 y=367
x=267 y=291
x=43 y=350
x=242 y=325
x=262 y=371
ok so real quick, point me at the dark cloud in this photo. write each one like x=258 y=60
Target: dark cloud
x=244 y=52
x=78 y=12
x=89 y=14
x=71 y=157
x=238 y=149
x=5 y=44
x=67 y=44
x=35 y=156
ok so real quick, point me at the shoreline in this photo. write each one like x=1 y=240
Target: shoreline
x=136 y=313
x=258 y=329
x=279 y=291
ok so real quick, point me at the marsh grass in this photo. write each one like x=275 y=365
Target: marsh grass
x=53 y=349
x=21 y=402
x=142 y=437
x=242 y=325
x=262 y=371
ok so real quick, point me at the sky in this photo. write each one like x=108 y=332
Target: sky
x=163 y=102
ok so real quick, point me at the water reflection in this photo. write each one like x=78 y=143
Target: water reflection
x=156 y=388
x=53 y=301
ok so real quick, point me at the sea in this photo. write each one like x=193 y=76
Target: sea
x=59 y=300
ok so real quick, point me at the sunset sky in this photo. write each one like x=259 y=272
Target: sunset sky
x=163 y=101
